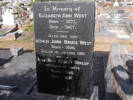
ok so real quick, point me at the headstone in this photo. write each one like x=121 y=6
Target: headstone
x=64 y=40
x=15 y=3
x=8 y=17
x=116 y=4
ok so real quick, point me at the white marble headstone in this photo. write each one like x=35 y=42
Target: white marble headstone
x=8 y=17
x=116 y=4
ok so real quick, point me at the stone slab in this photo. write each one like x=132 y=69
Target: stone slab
x=64 y=39
x=5 y=56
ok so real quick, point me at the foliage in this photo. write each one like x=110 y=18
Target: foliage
x=21 y=4
x=2 y=5
x=19 y=16
x=119 y=0
x=24 y=8
x=1 y=33
x=29 y=28
x=31 y=2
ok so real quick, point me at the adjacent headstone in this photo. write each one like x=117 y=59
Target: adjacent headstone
x=64 y=40
x=8 y=17
x=116 y=3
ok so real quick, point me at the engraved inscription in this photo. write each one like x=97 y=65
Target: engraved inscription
x=64 y=40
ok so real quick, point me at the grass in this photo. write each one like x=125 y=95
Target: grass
x=1 y=33
x=29 y=28
x=1 y=5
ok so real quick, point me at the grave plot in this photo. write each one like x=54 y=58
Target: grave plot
x=113 y=27
x=98 y=80
x=18 y=74
x=119 y=74
x=22 y=77
x=19 y=68
x=8 y=33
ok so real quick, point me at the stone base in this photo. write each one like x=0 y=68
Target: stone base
x=16 y=51
x=39 y=96
x=118 y=79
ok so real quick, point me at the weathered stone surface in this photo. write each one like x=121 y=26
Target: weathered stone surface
x=121 y=83
x=64 y=33
x=129 y=26
x=114 y=60
x=20 y=66
x=20 y=72
x=94 y=95
x=5 y=56
x=129 y=64
x=16 y=51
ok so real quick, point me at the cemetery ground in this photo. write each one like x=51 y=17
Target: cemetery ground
x=20 y=71
x=29 y=45
x=26 y=44
x=23 y=69
x=110 y=68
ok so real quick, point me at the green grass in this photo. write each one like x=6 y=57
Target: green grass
x=29 y=28
x=1 y=5
x=1 y=33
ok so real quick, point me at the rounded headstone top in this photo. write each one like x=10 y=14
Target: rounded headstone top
x=116 y=4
